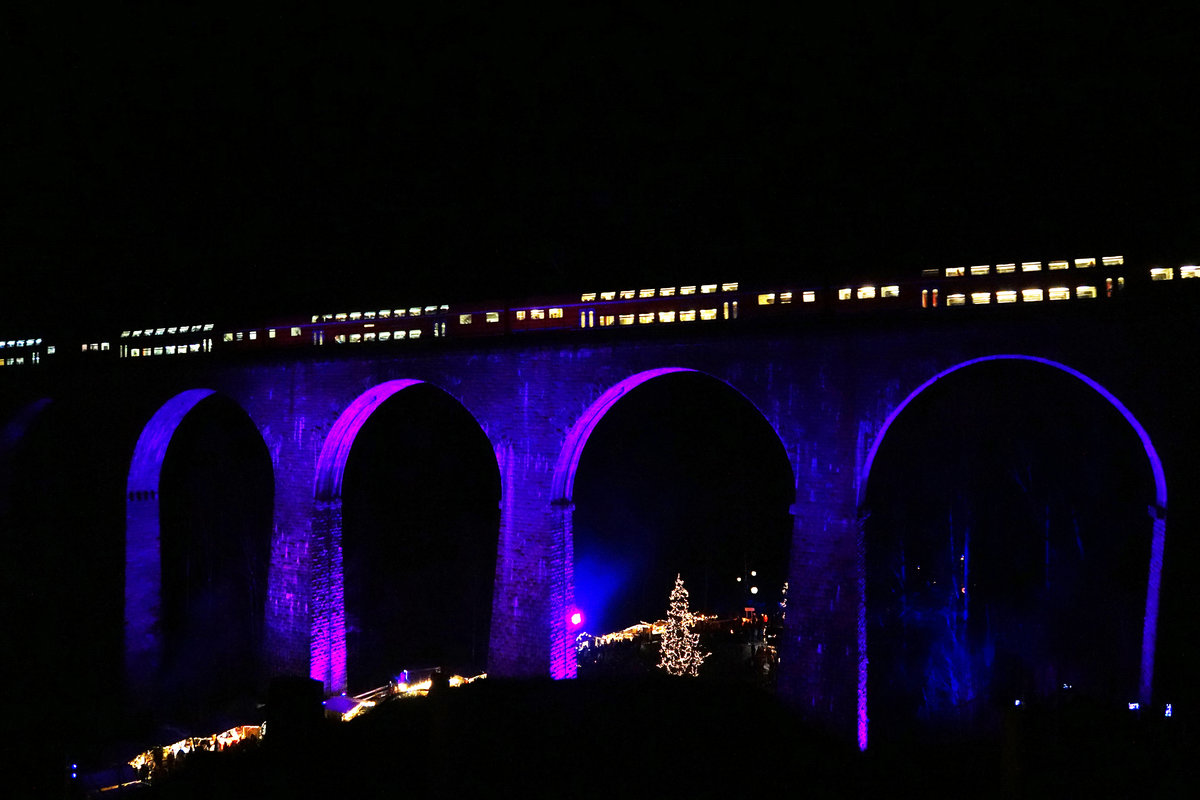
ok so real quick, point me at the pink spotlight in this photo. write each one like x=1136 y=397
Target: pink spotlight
x=576 y=618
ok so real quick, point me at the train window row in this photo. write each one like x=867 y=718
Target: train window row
x=1026 y=266
x=666 y=291
x=385 y=313
x=167 y=331
x=204 y=346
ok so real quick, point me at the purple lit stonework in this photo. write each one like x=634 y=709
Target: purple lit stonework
x=830 y=401
x=1150 y=625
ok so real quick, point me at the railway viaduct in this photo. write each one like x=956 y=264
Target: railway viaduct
x=830 y=389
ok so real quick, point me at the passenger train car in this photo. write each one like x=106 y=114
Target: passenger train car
x=935 y=291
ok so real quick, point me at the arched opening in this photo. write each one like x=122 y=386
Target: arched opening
x=199 y=503
x=1008 y=555
x=415 y=504
x=675 y=472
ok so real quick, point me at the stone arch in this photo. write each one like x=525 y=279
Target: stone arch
x=143 y=551
x=328 y=649
x=1158 y=514
x=562 y=599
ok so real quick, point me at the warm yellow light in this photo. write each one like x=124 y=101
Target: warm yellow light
x=1031 y=295
x=1086 y=292
x=785 y=297
x=666 y=316
x=843 y=294
x=1060 y=293
x=708 y=288
x=866 y=293
x=708 y=313
x=1162 y=273
x=687 y=316
x=627 y=294
x=1084 y=263
x=766 y=299
x=1058 y=265
x=981 y=269
x=1006 y=296
x=1112 y=261
x=729 y=287
x=981 y=298
x=626 y=319
x=956 y=300
x=645 y=317
x=666 y=291
x=954 y=272
x=608 y=295
x=1031 y=266
x=687 y=289
x=587 y=297
x=890 y=291
x=556 y=313
x=1005 y=268
x=1189 y=272
x=644 y=293
x=809 y=297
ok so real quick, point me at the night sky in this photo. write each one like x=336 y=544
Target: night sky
x=170 y=164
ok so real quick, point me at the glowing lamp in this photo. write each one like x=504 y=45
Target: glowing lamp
x=576 y=618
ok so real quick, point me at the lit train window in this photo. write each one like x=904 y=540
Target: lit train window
x=1060 y=293
x=383 y=314
x=729 y=287
x=195 y=348
x=843 y=294
x=1031 y=295
x=520 y=316
x=137 y=333
x=627 y=294
x=368 y=315
x=465 y=319
x=124 y=334
x=606 y=320
x=708 y=288
x=954 y=272
x=170 y=349
x=608 y=295
x=1189 y=272
x=1005 y=268
x=1031 y=266
x=708 y=313
x=399 y=313
x=385 y=336
x=431 y=309
x=924 y=298
x=369 y=337
x=340 y=338
x=135 y=352
x=49 y=349
x=889 y=291
x=1087 y=292
x=158 y=351
x=443 y=307
x=1058 y=265
x=315 y=317
x=253 y=335
x=587 y=297
x=398 y=335
x=537 y=313
x=1084 y=263
x=1113 y=261
x=1006 y=296
x=626 y=319
x=340 y=317
x=687 y=289
x=687 y=316
x=196 y=328
x=981 y=269
x=492 y=316
x=1162 y=273
x=270 y=333
x=785 y=297
x=295 y=331
x=645 y=317
x=556 y=313
x=355 y=315
x=666 y=316
x=227 y=337
x=981 y=298
x=646 y=293
x=103 y=345
x=414 y=334
x=415 y=311
x=956 y=300
x=160 y=331
x=766 y=299
x=866 y=293
x=666 y=291
x=809 y=297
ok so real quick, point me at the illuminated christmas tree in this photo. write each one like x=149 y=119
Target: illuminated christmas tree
x=680 y=647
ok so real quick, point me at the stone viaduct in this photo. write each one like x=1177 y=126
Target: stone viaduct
x=830 y=388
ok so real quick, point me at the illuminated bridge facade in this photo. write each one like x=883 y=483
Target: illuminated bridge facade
x=830 y=390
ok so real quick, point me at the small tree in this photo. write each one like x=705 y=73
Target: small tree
x=680 y=648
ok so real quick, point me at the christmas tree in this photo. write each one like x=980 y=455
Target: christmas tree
x=680 y=647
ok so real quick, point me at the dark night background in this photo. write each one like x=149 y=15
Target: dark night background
x=173 y=163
